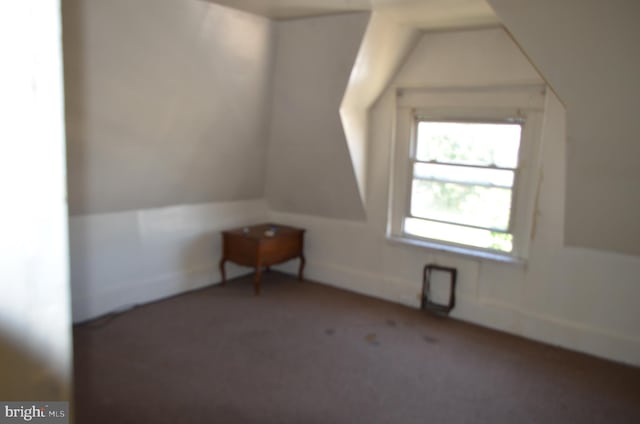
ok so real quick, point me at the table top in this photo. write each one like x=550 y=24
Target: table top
x=263 y=230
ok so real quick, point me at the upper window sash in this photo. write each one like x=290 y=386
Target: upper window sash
x=480 y=142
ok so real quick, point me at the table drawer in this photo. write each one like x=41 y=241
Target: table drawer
x=241 y=250
x=280 y=248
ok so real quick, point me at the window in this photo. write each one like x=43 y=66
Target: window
x=464 y=175
x=462 y=182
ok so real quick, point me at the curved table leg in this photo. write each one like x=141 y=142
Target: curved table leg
x=258 y=276
x=301 y=269
x=222 y=273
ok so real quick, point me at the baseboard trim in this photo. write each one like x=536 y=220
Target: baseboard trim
x=484 y=312
x=554 y=331
x=358 y=281
x=134 y=293
x=487 y=313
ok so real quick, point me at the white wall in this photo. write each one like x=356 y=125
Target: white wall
x=384 y=47
x=166 y=103
x=309 y=169
x=35 y=330
x=167 y=117
x=579 y=299
x=122 y=259
x=588 y=51
x=572 y=297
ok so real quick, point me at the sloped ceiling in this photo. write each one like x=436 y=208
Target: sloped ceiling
x=393 y=29
x=424 y=14
x=587 y=50
x=309 y=168
x=148 y=85
x=287 y=9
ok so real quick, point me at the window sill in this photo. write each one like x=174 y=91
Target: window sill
x=457 y=250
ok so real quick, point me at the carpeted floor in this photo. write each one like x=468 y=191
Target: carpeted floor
x=306 y=353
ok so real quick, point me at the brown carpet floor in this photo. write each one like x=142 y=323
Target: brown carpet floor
x=306 y=353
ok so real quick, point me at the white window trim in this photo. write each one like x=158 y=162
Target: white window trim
x=495 y=103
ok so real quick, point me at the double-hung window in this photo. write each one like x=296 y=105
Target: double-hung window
x=464 y=175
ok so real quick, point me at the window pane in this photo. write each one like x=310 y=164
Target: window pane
x=469 y=143
x=462 y=204
x=459 y=235
x=464 y=174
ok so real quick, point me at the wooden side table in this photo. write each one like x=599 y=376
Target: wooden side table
x=260 y=246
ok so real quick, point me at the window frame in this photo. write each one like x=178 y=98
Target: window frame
x=524 y=105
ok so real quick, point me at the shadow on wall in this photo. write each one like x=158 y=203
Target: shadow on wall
x=201 y=259
x=74 y=40
x=24 y=376
x=198 y=256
